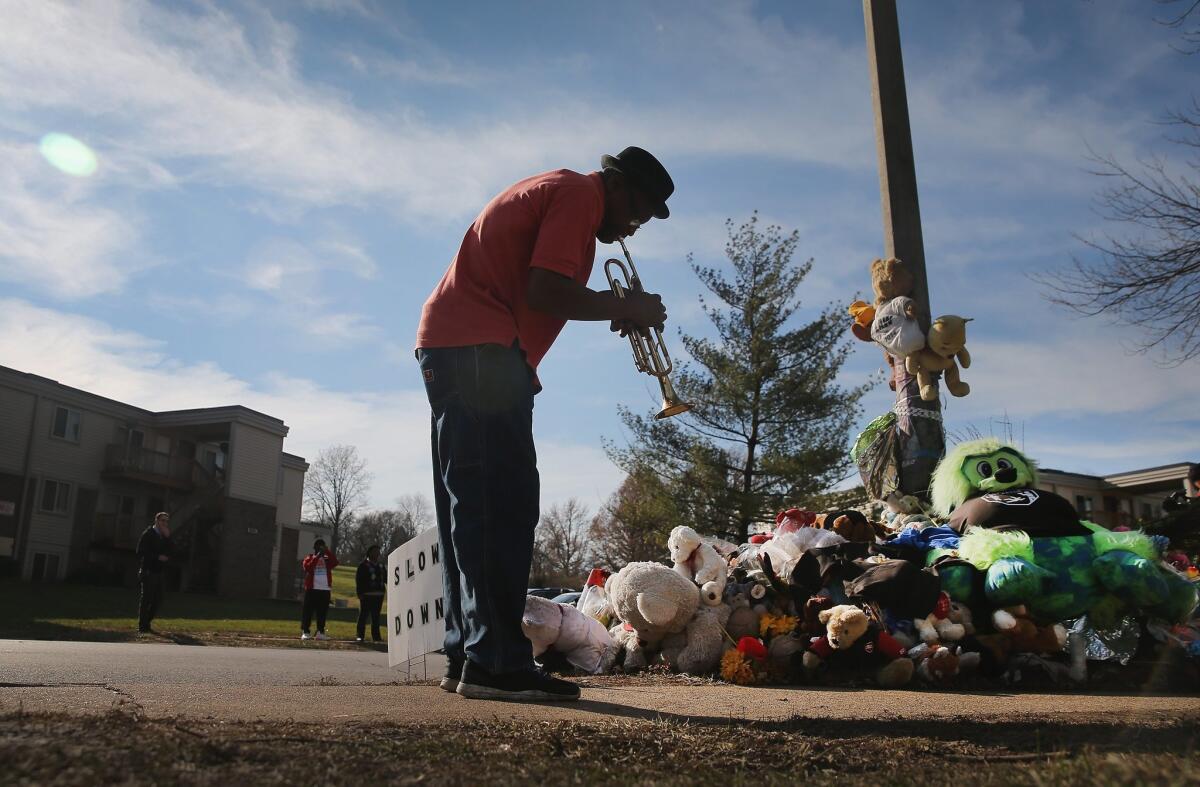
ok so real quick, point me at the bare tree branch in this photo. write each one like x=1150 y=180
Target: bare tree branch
x=335 y=489
x=1148 y=277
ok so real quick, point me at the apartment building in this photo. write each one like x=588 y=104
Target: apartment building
x=81 y=477
x=1124 y=498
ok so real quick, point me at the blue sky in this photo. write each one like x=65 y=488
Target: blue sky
x=280 y=185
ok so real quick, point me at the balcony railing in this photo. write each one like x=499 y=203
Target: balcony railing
x=143 y=464
x=115 y=530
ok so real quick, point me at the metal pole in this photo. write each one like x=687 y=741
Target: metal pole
x=921 y=440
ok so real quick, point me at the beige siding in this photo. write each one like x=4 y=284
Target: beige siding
x=64 y=460
x=291 y=497
x=15 y=409
x=76 y=463
x=254 y=464
x=51 y=529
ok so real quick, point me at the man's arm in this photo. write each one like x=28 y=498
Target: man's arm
x=563 y=297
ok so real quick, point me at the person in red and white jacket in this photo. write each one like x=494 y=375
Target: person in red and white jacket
x=318 y=581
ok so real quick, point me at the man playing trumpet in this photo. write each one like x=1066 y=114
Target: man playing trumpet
x=519 y=275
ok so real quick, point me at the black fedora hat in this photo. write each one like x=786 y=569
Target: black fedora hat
x=647 y=173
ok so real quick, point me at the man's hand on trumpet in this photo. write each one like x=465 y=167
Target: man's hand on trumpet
x=556 y=294
x=644 y=310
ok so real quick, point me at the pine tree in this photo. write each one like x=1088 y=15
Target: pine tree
x=771 y=424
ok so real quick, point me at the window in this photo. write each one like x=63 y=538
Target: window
x=1147 y=511
x=56 y=497
x=66 y=424
x=1083 y=504
x=45 y=567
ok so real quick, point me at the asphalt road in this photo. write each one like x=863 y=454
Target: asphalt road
x=267 y=683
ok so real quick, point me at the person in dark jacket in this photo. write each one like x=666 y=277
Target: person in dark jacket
x=153 y=551
x=318 y=585
x=370 y=582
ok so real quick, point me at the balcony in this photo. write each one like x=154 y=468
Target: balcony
x=152 y=467
x=118 y=531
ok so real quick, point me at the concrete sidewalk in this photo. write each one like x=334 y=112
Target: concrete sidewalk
x=248 y=684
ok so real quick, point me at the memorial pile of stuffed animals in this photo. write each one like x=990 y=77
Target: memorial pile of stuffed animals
x=993 y=579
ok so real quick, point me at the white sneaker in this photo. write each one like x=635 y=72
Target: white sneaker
x=320 y=635
x=358 y=639
x=305 y=635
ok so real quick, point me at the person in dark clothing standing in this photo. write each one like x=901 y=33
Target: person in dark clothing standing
x=370 y=581
x=318 y=582
x=153 y=551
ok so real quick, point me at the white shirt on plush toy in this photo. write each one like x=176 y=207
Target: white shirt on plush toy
x=699 y=562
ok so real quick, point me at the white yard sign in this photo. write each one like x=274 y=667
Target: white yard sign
x=416 y=616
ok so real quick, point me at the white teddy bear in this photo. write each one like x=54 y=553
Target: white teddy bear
x=698 y=562
x=651 y=602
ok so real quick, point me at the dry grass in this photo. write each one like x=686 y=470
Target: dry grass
x=122 y=747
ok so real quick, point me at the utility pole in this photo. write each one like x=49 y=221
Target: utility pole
x=921 y=441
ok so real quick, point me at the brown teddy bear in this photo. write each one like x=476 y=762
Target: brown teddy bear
x=854 y=642
x=849 y=524
x=890 y=278
x=1017 y=633
x=945 y=341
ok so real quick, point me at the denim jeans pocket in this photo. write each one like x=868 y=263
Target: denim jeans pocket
x=459 y=435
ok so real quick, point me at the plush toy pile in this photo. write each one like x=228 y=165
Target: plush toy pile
x=992 y=578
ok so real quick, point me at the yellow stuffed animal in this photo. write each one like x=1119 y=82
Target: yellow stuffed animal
x=863 y=314
x=945 y=341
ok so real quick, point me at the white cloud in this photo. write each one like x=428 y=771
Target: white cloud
x=390 y=429
x=54 y=232
x=295 y=276
x=1082 y=371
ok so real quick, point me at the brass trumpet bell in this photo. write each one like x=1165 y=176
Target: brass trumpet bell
x=649 y=350
x=670 y=401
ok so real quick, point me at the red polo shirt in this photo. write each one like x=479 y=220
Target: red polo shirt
x=546 y=221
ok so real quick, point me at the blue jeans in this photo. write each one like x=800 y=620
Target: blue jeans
x=486 y=486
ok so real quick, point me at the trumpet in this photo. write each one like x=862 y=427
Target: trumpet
x=649 y=350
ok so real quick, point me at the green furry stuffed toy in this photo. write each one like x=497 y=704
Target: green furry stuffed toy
x=1033 y=549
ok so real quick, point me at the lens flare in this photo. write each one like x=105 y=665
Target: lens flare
x=69 y=155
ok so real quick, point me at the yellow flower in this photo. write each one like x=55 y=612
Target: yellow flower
x=776 y=625
x=735 y=668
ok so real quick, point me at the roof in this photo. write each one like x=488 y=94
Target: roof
x=44 y=386
x=1160 y=475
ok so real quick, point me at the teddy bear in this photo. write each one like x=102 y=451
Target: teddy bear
x=1024 y=635
x=945 y=341
x=651 y=601
x=939 y=665
x=745 y=600
x=697 y=649
x=699 y=563
x=902 y=511
x=937 y=627
x=851 y=640
x=890 y=278
x=580 y=638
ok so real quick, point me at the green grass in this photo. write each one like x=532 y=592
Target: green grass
x=94 y=613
